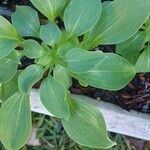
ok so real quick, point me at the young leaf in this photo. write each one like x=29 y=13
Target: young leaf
x=112 y=73
x=143 y=63
x=15 y=127
x=131 y=48
x=65 y=48
x=81 y=15
x=32 y=49
x=53 y=97
x=8 y=69
x=29 y=77
x=79 y=60
x=50 y=8
x=45 y=59
x=118 y=22
x=50 y=33
x=26 y=21
x=9 y=88
x=61 y=74
x=87 y=126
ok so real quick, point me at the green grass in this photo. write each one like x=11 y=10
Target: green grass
x=53 y=137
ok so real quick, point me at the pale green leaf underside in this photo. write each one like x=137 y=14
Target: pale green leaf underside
x=143 y=63
x=81 y=15
x=87 y=126
x=53 y=97
x=112 y=73
x=15 y=127
x=29 y=77
x=26 y=21
x=50 y=8
x=50 y=33
x=118 y=22
x=130 y=49
x=80 y=60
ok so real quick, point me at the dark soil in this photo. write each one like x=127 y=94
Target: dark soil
x=136 y=95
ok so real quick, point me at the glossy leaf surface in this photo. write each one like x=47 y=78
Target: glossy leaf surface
x=8 y=37
x=131 y=48
x=9 y=88
x=112 y=73
x=80 y=16
x=118 y=22
x=80 y=60
x=53 y=97
x=32 y=49
x=8 y=69
x=143 y=63
x=7 y=31
x=50 y=8
x=29 y=77
x=6 y=47
x=50 y=33
x=87 y=126
x=26 y=21
x=61 y=74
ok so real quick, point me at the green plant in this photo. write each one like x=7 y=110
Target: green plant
x=62 y=53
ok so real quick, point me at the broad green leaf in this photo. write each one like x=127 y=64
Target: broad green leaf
x=61 y=74
x=112 y=73
x=6 y=47
x=26 y=21
x=50 y=33
x=120 y=20
x=32 y=49
x=50 y=8
x=130 y=49
x=9 y=88
x=29 y=77
x=8 y=69
x=7 y=31
x=53 y=97
x=143 y=63
x=46 y=59
x=80 y=60
x=86 y=125
x=15 y=127
x=81 y=15
x=8 y=38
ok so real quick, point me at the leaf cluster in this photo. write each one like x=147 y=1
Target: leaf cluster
x=63 y=53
